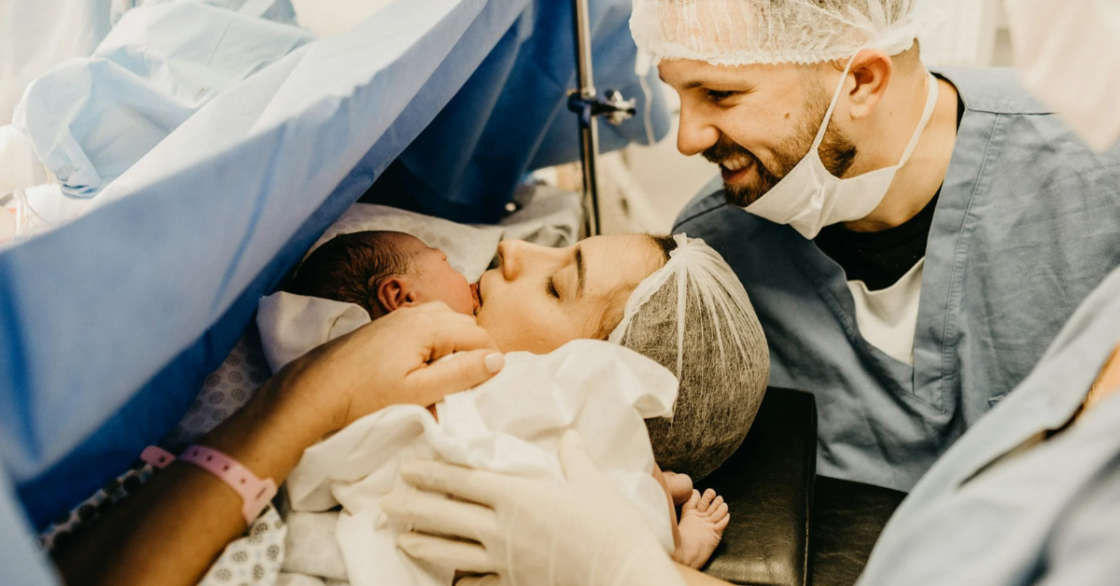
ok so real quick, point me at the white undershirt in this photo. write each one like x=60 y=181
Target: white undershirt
x=888 y=318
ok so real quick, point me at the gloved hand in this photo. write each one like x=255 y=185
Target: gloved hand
x=530 y=532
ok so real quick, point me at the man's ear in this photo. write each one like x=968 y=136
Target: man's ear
x=872 y=71
x=396 y=292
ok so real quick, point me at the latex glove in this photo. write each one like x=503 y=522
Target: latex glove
x=394 y=360
x=530 y=532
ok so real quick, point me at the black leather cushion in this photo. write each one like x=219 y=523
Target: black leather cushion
x=847 y=520
x=768 y=485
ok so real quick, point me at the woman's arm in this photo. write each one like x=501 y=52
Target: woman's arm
x=171 y=530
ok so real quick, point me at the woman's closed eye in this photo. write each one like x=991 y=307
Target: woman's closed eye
x=550 y=287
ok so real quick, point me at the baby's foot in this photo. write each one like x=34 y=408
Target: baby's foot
x=703 y=519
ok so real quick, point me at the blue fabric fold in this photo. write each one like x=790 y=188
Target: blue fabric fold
x=112 y=322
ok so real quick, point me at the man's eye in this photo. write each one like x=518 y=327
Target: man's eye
x=550 y=286
x=719 y=96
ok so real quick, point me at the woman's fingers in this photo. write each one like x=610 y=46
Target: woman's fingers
x=461 y=555
x=457 y=333
x=459 y=373
x=427 y=513
x=475 y=486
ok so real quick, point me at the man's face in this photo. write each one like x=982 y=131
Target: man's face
x=755 y=121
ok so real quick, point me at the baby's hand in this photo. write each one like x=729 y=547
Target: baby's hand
x=703 y=519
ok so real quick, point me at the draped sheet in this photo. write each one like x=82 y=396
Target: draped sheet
x=111 y=322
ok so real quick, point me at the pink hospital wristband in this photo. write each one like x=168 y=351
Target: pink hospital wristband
x=254 y=492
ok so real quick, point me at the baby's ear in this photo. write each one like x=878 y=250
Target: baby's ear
x=395 y=292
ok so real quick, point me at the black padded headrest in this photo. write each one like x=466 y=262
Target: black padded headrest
x=768 y=486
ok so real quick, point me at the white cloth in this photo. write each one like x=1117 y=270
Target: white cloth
x=35 y=35
x=91 y=119
x=469 y=249
x=888 y=318
x=510 y=424
x=293 y=325
x=20 y=168
x=311 y=548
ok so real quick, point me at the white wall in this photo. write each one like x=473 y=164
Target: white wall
x=974 y=33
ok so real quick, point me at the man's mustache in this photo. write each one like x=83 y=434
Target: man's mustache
x=725 y=150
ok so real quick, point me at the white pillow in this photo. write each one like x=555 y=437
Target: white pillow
x=469 y=249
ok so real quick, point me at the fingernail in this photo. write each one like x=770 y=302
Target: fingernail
x=495 y=362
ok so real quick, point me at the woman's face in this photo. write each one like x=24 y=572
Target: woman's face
x=540 y=298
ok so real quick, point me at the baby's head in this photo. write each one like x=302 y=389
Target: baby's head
x=382 y=271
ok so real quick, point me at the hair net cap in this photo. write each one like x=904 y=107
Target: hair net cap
x=694 y=317
x=744 y=32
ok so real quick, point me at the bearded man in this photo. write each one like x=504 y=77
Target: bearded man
x=911 y=241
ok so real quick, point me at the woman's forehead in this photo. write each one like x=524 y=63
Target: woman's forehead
x=610 y=261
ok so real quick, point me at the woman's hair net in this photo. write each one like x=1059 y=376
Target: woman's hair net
x=693 y=317
x=744 y=32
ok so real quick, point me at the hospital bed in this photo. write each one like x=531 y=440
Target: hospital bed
x=112 y=321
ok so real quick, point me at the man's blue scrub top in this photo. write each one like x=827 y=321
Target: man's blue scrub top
x=1048 y=515
x=1027 y=224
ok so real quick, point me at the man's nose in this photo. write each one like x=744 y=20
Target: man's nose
x=696 y=134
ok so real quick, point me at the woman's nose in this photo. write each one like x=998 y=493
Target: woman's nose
x=518 y=257
x=509 y=259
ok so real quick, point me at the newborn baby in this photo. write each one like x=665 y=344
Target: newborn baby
x=384 y=271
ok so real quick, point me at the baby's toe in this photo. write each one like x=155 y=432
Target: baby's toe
x=706 y=500
x=692 y=502
x=722 y=523
x=718 y=512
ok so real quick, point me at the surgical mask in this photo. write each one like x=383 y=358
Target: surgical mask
x=1068 y=54
x=810 y=197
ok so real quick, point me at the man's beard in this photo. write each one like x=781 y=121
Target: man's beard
x=837 y=153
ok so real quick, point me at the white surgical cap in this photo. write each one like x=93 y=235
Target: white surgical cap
x=694 y=317
x=745 y=32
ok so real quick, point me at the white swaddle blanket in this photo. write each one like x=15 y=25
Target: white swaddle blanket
x=511 y=424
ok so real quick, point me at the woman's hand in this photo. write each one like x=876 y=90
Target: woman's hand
x=392 y=361
x=170 y=531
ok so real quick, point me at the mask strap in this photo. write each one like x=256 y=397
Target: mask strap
x=927 y=115
x=832 y=107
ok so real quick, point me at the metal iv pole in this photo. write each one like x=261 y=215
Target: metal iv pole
x=589 y=105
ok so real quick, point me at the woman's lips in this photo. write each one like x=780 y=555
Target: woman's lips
x=477 y=297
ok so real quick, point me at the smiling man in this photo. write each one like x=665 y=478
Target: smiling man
x=912 y=242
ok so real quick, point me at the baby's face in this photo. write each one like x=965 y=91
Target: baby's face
x=435 y=280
